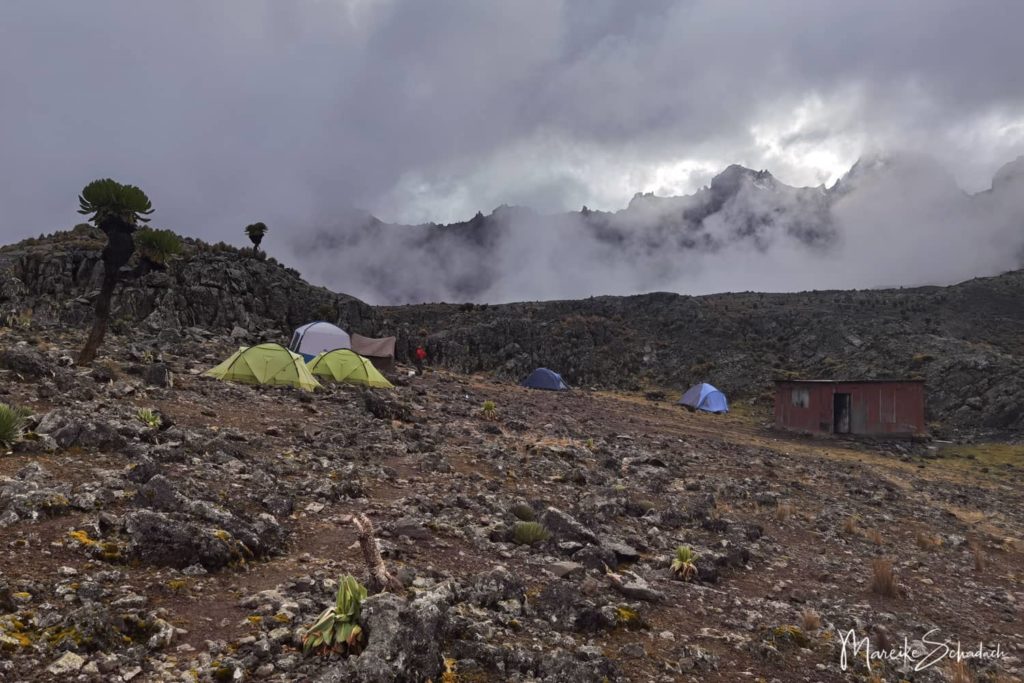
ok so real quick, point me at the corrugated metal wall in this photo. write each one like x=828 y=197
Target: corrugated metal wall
x=874 y=408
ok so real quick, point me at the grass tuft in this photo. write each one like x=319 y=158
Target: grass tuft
x=928 y=542
x=978 y=555
x=528 y=533
x=883 y=578
x=959 y=673
x=851 y=525
x=12 y=423
x=784 y=511
x=810 y=621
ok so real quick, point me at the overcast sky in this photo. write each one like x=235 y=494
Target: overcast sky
x=288 y=111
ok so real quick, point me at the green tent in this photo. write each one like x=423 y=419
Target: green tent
x=344 y=365
x=268 y=364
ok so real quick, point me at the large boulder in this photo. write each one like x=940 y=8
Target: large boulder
x=26 y=363
x=70 y=430
x=177 y=540
x=565 y=527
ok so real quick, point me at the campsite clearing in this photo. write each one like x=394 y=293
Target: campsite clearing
x=779 y=524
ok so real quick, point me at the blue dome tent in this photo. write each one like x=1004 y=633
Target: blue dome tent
x=542 y=378
x=705 y=397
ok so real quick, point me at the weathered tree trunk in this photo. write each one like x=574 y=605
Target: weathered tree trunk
x=117 y=252
x=99 y=322
x=378 y=577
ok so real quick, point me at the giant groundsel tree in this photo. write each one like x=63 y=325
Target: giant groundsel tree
x=117 y=210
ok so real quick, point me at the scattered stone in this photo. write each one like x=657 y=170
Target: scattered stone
x=567 y=570
x=68 y=664
x=158 y=375
x=564 y=526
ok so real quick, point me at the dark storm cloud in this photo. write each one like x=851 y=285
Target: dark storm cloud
x=290 y=112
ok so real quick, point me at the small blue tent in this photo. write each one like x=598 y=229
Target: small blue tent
x=705 y=397
x=542 y=378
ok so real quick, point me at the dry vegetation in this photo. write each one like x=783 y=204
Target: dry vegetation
x=928 y=542
x=810 y=621
x=883 y=578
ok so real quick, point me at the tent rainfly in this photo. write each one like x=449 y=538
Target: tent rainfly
x=706 y=398
x=542 y=378
x=266 y=364
x=345 y=365
x=380 y=352
x=319 y=336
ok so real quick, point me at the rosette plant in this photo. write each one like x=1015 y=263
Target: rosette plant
x=337 y=628
x=684 y=563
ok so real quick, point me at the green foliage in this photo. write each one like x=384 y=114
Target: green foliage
x=256 y=232
x=489 y=410
x=149 y=418
x=683 y=565
x=528 y=533
x=157 y=245
x=105 y=199
x=337 y=628
x=789 y=635
x=12 y=422
x=18 y=319
x=629 y=618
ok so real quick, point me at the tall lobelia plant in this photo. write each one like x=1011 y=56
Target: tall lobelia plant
x=117 y=210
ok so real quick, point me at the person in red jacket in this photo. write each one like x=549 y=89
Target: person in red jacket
x=419 y=357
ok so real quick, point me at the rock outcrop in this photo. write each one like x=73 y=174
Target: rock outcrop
x=966 y=340
x=212 y=287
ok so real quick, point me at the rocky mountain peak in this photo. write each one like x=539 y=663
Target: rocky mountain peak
x=729 y=181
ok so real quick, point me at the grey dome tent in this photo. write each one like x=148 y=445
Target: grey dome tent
x=317 y=337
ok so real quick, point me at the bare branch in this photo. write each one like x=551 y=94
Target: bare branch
x=379 y=578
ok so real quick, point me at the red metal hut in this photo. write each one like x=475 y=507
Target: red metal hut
x=866 y=407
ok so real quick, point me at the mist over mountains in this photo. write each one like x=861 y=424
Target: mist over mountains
x=892 y=220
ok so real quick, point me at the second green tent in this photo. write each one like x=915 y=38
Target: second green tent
x=344 y=365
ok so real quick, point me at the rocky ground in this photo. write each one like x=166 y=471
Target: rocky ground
x=200 y=549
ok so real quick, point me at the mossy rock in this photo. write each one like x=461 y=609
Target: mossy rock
x=789 y=635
